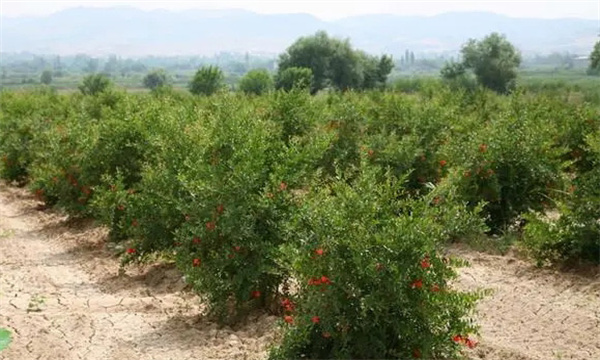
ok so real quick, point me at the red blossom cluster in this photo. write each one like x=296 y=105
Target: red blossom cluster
x=425 y=264
x=467 y=341
x=324 y=280
x=288 y=305
x=417 y=284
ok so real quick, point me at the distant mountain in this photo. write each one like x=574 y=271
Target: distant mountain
x=131 y=32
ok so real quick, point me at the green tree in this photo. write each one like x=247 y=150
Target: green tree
x=594 y=68
x=207 y=81
x=257 y=82
x=46 y=77
x=494 y=60
x=294 y=77
x=333 y=62
x=156 y=79
x=94 y=84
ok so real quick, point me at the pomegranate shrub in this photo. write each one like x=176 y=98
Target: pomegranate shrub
x=371 y=280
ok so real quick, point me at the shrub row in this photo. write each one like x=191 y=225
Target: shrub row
x=331 y=210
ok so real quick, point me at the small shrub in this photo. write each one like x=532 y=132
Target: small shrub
x=371 y=282
x=207 y=81
x=575 y=235
x=294 y=77
x=95 y=84
x=256 y=82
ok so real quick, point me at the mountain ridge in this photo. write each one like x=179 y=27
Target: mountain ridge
x=129 y=31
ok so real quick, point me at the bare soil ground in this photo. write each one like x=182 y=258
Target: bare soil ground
x=62 y=296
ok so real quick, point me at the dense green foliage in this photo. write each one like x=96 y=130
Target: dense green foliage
x=594 y=68
x=334 y=63
x=207 y=81
x=256 y=82
x=493 y=60
x=156 y=79
x=94 y=84
x=331 y=210
x=294 y=77
x=46 y=77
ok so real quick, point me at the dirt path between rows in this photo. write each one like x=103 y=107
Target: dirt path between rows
x=62 y=296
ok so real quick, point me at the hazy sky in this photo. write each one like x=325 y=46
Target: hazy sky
x=327 y=9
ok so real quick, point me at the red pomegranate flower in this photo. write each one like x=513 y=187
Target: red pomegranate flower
x=325 y=280
x=197 y=240
x=131 y=251
x=288 y=319
x=443 y=163
x=457 y=338
x=236 y=248
x=196 y=262
x=315 y=319
x=288 y=305
x=319 y=251
x=425 y=264
x=471 y=343
x=417 y=284
x=314 y=281
x=210 y=226
x=283 y=186
x=256 y=294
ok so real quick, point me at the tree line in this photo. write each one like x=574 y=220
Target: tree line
x=321 y=62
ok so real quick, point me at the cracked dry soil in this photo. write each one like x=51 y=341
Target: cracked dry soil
x=62 y=297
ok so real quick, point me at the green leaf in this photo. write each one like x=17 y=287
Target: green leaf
x=5 y=339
